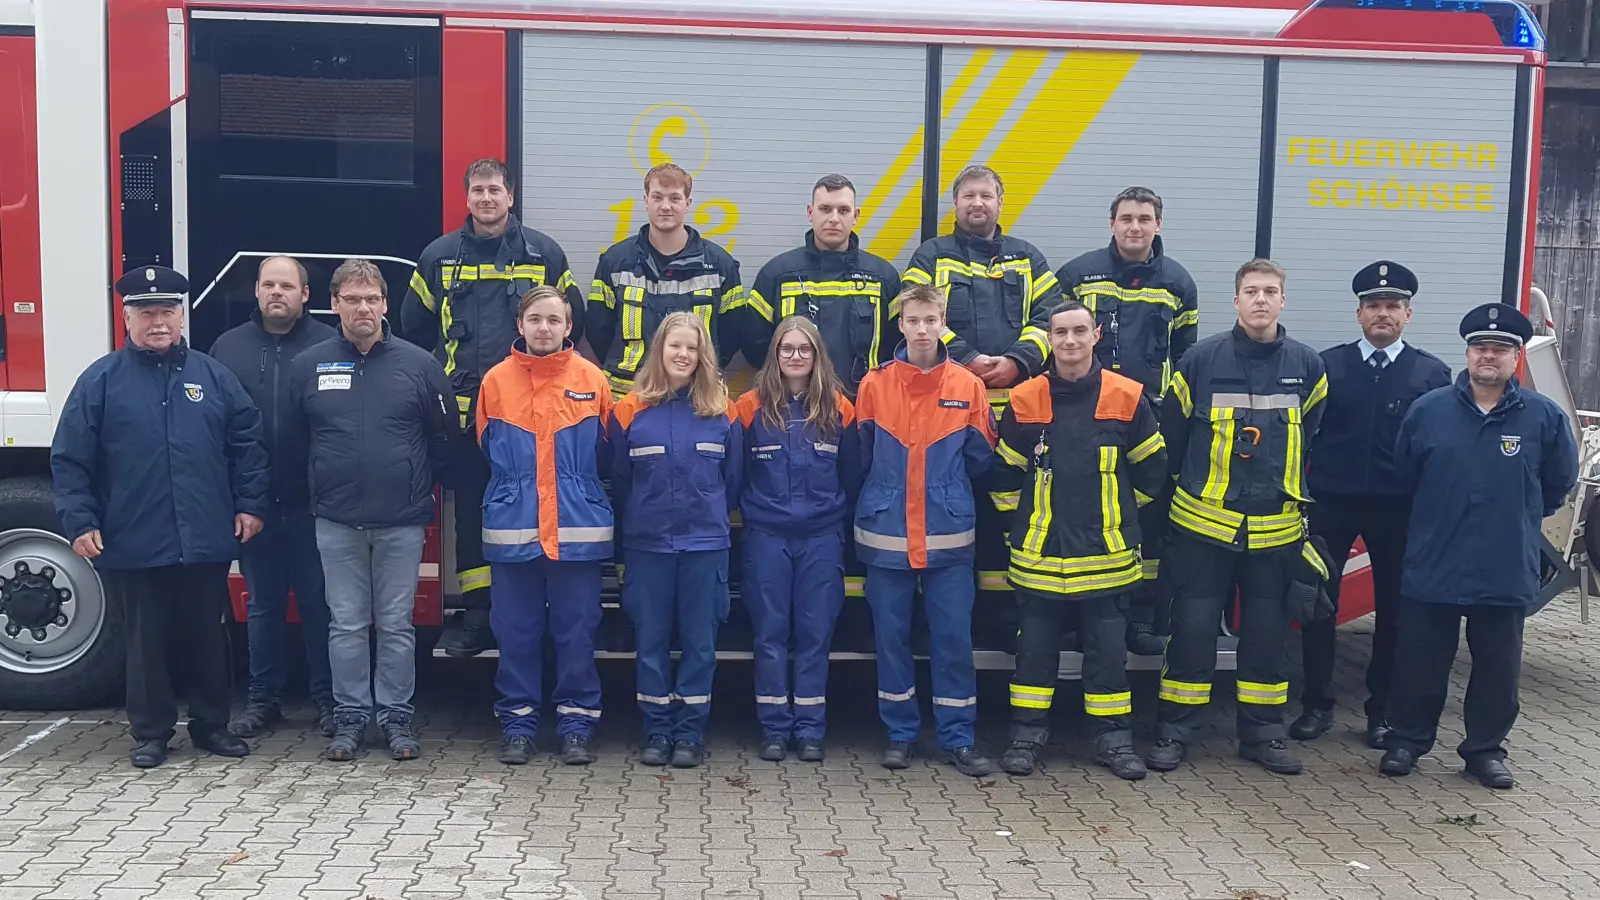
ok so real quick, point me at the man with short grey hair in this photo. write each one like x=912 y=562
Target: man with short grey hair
x=375 y=416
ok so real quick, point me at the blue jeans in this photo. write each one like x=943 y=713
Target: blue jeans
x=527 y=600
x=947 y=592
x=284 y=557
x=684 y=593
x=372 y=585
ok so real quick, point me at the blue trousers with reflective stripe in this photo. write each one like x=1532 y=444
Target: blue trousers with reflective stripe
x=794 y=588
x=684 y=594
x=947 y=594
x=523 y=595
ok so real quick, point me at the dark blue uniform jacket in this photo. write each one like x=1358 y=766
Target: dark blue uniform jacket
x=159 y=451
x=1483 y=483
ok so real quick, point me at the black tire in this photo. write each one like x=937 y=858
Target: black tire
x=95 y=678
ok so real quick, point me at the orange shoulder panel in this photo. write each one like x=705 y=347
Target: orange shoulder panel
x=1030 y=400
x=627 y=408
x=1119 y=397
x=847 y=410
x=749 y=404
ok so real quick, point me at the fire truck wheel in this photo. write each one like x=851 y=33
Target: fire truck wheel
x=61 y=642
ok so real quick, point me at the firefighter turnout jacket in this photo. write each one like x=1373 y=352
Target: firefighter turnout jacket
x=634 y=291
x=1079 y=458
x=542 y=423
x=462 y=302
x=926 y=437
x=1000 y=293
x=1148 y=312
x=849 y=294
x=1242 y=413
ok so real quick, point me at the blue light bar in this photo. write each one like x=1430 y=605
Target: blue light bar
x=1515 y=22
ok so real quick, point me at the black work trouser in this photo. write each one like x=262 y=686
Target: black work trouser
x=1154 y=525
x=1102 y=623
x=1204 y=577
x=1381 y=522
x=176 y=641
x=1430 y=634
x=472 y=570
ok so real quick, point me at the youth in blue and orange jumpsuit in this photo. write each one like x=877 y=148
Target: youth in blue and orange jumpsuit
x=676 y=459
x=926 y=434
x=547 y=524
x=801 y=473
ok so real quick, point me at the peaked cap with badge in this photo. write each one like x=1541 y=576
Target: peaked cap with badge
x=1496 y=322
x=1384 y=280
x=149 y=285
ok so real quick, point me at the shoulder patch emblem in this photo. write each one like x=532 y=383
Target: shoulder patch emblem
x=194 y=392
x=1510 y=444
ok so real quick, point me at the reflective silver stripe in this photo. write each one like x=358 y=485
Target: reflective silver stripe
x=659 y=701
x=810 y=701
x=689 y=286
x=503 y=536
x=704 y=698
x=594 y=535
x=823 y=447
x=777 y=700
x=714 y=448
x=768 y=448
x=522 y=711
x=879 y=541
x=952 y=701
x=1256 y=401
x=657 y=450
x=932 y=542
x=887 y=695
x=950 y=541
x=577 y=711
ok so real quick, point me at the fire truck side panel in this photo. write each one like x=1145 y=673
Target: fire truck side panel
x=1067 y=130
x=1388 y=160
x=21 y=326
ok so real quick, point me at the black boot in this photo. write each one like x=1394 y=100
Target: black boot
x=469 y=636
x=1122 y=761
x=148 y=754
x=1274 y=756
x=220 y=742
x=1020 y=758
x=259 y=715
x=1312 y=724
x=968 y=761
x=577 y=750
x=1166 y=755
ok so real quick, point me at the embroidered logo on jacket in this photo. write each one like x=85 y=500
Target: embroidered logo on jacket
x=1510 y=444
x=955 y=404
x=194 y=392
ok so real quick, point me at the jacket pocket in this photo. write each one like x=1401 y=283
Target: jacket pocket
x=724 y=602
x=960 y=306
x=707 y=463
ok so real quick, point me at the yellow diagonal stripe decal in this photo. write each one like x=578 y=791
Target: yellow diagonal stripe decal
x=1048 y=128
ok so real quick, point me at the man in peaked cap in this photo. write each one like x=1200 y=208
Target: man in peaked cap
x=1488 y=460
x=160 y=472
x=1371 y=383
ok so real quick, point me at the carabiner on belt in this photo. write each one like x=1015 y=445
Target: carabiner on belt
x=1249 y=439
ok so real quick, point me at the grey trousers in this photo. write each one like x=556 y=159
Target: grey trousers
x=372 y=583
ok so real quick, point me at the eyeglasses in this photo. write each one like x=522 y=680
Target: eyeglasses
x=804 y=351
x=361 y=299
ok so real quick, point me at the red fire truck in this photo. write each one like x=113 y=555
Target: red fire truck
x=1323 y=133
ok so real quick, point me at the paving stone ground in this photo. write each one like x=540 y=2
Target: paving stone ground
x=77 y=823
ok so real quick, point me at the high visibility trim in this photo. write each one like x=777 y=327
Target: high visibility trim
x=855 y=586
x=989 y=580
x=1319 y=392
x=601 y=293
x=1010 y=455
x=1220 y=456
x=825 y=447
x=1036 y=337
x=703 y=313
x=865 y=287
x=1256 y=401
x=755 y=301
x=1293 y=457
x=1055 y=582
x=916 y=276
x=897 y=698
x=695 y=699
x=419 y=285
x=653 y=450
x=1147 y=448
x=1110 y=502
x=902 y=545
x=732 y=299
x=651 y=698
x=1151 y=569
x=1314 y=558
x=1188 y=693
x=772 y=701
x=578 y=711
x=566 y=282
x=1207 y=520
x=522 y=711
x=1140 y=498
x=447 y=318
x=710 y=282
x=454 y=274
x=1263 y=694
x=957 y=702
x=1006 y=501
x=1179 y=387
x=708 y=447
x=1041 y=286
x=620 y=387
x=473 y=579
x=502 y=537
x=463 y=403
x=947 y=336
x=1039 y=521
x=590 y=534
x=1187 y=318
x=1119 y=704
x=811 y=701
x=1027 y=696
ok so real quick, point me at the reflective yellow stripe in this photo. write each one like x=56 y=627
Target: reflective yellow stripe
x=1222 y=437
x=420 y=286
x=1039 y=522
x=1058 y=582
x=855 y=586
x=1120 y=704
x=1151 y=568
x=1186 y=692
x=473 y=579
x=1315 y=559
x=1026 y=696
x=1180 y=392
x=947 y=336
x=1011 y=456
x=704 y=312
x=600 y=293
x=1206 y=520
x=1141 y=498
x=1041 y=285
x=1319 y=392
x=620 y=387
x=989 y=580
x=446 y=319
x=1263 y=694
x=1036 y=337
x=877 y=329
x=1110 y=502
x=566 y=282
x=464 y=407
x=1147 y=448
x=732 y=299
x=1293 y=464
x=1006 y=501
x=916 y=276
x=1185 y=319
x=755 y=301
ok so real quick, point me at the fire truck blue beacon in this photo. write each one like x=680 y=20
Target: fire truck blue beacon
x=952 y=387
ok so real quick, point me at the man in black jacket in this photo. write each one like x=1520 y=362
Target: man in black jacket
x=159 y=473
x=375 y=415
x=1371 y=384
x=284 y=556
